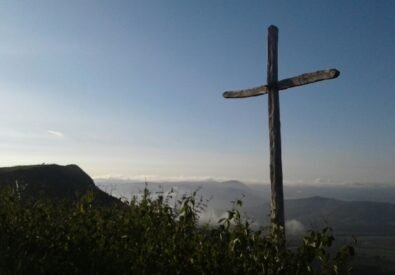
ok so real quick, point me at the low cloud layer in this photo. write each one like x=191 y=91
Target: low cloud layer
x=294 y=227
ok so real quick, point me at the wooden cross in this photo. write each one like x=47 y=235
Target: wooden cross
x=272 y=88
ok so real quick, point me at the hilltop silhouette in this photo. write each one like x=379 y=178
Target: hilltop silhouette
x=52 y=182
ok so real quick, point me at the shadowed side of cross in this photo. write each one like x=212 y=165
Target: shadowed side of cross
x=272 y=88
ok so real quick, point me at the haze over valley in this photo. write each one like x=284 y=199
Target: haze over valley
x=351 y=209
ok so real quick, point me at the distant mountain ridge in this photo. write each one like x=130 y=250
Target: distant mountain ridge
x=52 y=182
x=345 y=216
x=70 y=182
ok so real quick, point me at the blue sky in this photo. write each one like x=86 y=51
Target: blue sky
x=133 y=88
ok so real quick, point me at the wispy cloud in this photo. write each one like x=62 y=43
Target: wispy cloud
x=55 y=133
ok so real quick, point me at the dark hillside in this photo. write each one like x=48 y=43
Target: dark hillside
x=52 y=182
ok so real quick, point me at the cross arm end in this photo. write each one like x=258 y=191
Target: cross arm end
x=335 y=72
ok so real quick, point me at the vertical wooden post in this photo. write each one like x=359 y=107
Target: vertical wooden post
x=276 y=173
x=272 y=88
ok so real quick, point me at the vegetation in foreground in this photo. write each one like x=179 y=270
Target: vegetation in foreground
x=150 y=235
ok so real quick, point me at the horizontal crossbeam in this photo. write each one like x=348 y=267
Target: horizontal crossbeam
x=285 y=83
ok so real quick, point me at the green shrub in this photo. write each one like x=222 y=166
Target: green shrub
x=150 y=236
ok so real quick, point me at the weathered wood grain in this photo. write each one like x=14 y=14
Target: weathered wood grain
x=276 y=171
x=261 y=90
x=308 y=78
x=284 y=84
